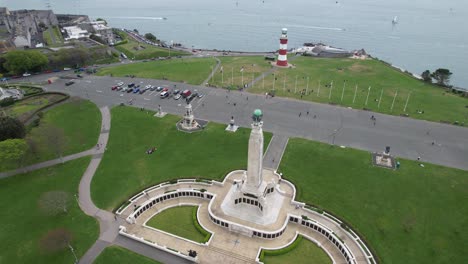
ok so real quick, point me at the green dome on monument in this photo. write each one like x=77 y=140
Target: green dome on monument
x=257 y=115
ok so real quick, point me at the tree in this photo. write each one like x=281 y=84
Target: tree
x=151 y=37
x=426 y=76
x=136 y=31
x=12 y=150
x=97 y=38
x=101 y=19
x=54 y=202
x=442 y=76
x=11 y=128
x=19 y=61
x=7 y=101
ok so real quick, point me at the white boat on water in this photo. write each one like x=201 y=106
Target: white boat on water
x=395 y=20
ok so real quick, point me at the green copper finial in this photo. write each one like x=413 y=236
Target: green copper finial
x=257 y=115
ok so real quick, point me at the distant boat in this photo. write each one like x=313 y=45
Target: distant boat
x=165 y=18
x=395 y=20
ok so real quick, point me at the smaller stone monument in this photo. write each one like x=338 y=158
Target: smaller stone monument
x=232 y=125
x=160 y=113
x=384 y=159
x=189 y=123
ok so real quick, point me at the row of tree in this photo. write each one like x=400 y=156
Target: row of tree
x=20 y=61
x=441 y=76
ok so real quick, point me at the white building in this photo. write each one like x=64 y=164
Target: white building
x=10 y=93
x=76 y=33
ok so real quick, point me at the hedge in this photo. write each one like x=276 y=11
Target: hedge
x=199 y=227
x=281 y=251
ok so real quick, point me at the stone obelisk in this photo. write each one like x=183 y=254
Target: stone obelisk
x=255 y=155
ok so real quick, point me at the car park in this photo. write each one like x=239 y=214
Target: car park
x=69 y=83
x=164 y=94
x=177 y=96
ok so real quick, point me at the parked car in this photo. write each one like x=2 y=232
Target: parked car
x=120 y=84
x=113 y=88
x=131 y=85
x=129 y=90
x=148 y=87
x=69 y=83
x=26 y=74
x=137 y=86
x=158 y=89
x=136 y=90
x=200 y=95
x=186 y=93
x=118 y=88
x=192 y=96
x=165 y=89
x=164 y=94
x=79 y=76
x=142 y=91
x=176 y=91
x=177 y=96
x=153 y=88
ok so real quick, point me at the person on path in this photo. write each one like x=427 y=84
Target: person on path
x=307 y=112
x=300 y=113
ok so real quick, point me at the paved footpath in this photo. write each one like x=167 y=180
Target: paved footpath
x=274 y=152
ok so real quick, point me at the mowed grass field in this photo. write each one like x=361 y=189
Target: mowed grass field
x=191 y=70
x=410 y=215
x=305 y=252
x=177 y=221
x=126 y=169
x=354 y=79
x=116 y=254
x=234 y=70
x=80 y=121
x=23 y=224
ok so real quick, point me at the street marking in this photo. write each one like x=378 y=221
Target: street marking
x=99 y=91
x=121 y=94
x=151 y=93
x=146 y=99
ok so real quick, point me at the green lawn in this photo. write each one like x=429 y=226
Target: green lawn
x=115 y=254
x=140 y=51
x=236 y=69
x=22 y=224
x=437 y=104
x=192 y=71
x=80 y=121
x=306 y=252
x=177 y=221
x=410 y=215
x=211 y=154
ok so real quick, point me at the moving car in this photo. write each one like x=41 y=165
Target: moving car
x=69 y=83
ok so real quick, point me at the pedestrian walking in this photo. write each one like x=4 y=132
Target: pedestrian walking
x=307 y=112
x=300 y=113
x=419 y=158
x=374 y=123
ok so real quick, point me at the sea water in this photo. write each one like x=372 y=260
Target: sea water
x=428 y=34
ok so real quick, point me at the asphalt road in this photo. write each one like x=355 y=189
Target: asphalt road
x=408 y=138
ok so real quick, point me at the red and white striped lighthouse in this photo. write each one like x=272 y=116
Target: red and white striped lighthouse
x=283 y=50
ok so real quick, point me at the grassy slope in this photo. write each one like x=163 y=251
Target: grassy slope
x=193 y=71
x=411 y=215
x=436 y=103
x=115 y=254
x=177 y=221
x=22 y=224
x=305 y=252
x=211 y=153
x=232 y=75
x=81 y=123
